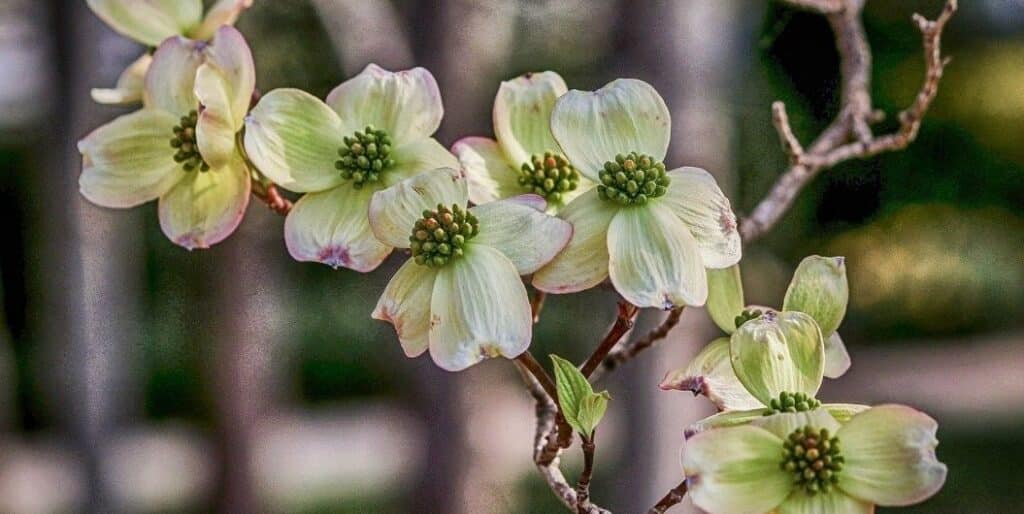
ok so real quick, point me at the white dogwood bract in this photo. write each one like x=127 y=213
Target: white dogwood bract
x=471 y=306
x=295 y=140
x=652 y=231
x=152 y=21
x=180 y=147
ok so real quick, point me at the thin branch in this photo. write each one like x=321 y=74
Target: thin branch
x=537 y=304
x=849 y=135
x=818 y=6
x=270 y=195
x=629 y=350
x=539 y=373
x=546 y=455
x=583 y=485
x=623 y=323
x=674 y=496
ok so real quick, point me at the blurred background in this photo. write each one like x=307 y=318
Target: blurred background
x=138 y=377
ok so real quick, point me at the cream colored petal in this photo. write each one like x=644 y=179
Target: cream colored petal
x=149 y=21
x=834 y=502
x=723 y=420
x=725 y=297
x=785 y=423
x=491 y=176
x=293 y=138
x=394 y=211
x=522 y=115
x=406 y=104
x=205 y=207
x=890 y=456
x=844 y=412
x=819 y=288
x=696 y=198
x=627 y=115
x=710 y=373
x=778 y=352
x=417 y=157
x=479 y=310
x=129 y=161
x=837 y=359
x=654 y=261
x=527 y=237
x=584 y=261
x=224 y=12
x=735 y=470
x=230 y=55
x=215 y=133
x=405 y=304
x=172 y=74
x=332 y=227
x=129 y=87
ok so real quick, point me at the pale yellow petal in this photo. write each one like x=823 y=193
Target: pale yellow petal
x=149 y=21
x=527 y=237
x=205 y=207
x=129 y=161
x=654 y=261
x=223 y=12
x=584 y=261
x=406 y=104
x=491 y=176
x=171 y=77
x=129 y=87
x=522 y=115
x=479 y=309
x=332 y=227
x=695 y=197
x=405 y=304
x=394 y=211
x=710 y=373
x=778 y=352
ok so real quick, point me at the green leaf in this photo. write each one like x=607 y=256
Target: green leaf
x=591 y=411
x=582 y=408
x=819 y=288
x=725 y=297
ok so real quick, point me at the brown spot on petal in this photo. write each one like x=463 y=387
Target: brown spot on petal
x=335 y=256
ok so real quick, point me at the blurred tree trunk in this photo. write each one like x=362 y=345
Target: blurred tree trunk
x=365 y=32
x=88 y=260
x=245 y=283
x=465 y=44
x=689 y=52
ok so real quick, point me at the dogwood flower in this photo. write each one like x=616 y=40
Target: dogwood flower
x=652 y=230
x=152 y=21
x=524 y=157
x=373 y=132
x=180 y=147
x=460 y=294
x=771 y=364
x=807 y=462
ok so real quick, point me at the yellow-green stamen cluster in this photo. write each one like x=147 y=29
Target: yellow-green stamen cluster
x=441 y=235
x=184 y=141
x=632 y=179
x=813 y=458
x=747 y=315
x=365 y=155
x=549 y=175
x=792 y=402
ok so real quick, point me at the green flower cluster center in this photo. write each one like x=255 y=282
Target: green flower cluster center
x=366 y=154
x=184 y=141
x=813 y=458
x=747 y=315
x=792 y=402
x=549 y=175
x=441 y=235
x=632 y=179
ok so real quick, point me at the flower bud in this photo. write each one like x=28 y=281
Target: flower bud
x=819 y=288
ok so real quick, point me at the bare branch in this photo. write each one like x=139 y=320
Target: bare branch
x=674 y=496
x=537 y=304
x=629 y=350
x=623 y=323
x=583 y=485
x=849 y=135
x=818 y=6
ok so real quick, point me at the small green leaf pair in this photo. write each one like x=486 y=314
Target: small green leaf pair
x=581 y=406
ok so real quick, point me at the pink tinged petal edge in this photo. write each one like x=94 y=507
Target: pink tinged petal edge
x=197 y=239
x=333 y=237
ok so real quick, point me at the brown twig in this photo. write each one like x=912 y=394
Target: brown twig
x=674 y=496
x=539 y=373
x=623 y=323
x=270 y=195
x=631 y=349
x=849 y=135
x=537 y=304
x=546 y=456
x=583 y=485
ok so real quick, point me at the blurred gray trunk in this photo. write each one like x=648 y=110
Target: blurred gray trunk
x=89 y=260
x=689 y=51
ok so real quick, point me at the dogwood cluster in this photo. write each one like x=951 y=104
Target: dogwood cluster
x=572 y=192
